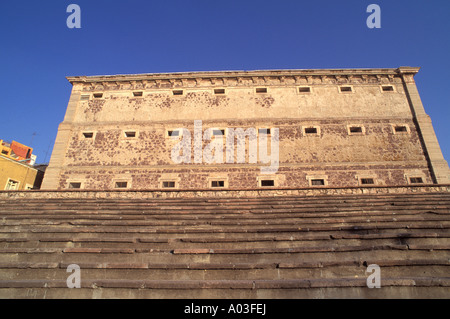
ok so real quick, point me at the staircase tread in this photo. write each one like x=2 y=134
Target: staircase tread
x=231 y=244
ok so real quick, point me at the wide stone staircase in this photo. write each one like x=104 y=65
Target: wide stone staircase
x=265 y=247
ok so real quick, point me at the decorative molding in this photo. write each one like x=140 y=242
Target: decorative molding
x=244 y=78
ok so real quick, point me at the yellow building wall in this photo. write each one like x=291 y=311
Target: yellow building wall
x=4 y=150
x=10 y=169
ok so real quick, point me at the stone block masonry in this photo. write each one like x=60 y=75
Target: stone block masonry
x=337 y=128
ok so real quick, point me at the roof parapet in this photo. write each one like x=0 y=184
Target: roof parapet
x=225 y=74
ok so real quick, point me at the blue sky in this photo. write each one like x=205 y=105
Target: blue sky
x=38 y=50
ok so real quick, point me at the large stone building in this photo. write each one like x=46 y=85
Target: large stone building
x=355 y=193
x=331 y=128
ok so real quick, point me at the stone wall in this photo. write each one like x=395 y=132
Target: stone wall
x=151 y=105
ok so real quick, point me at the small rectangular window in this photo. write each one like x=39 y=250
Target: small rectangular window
x=130 y=134
x=98 y=95
x=305 y=89
x=75 y=185
x=267 y=182
x=138 y=93
x=218 y=132
x=219 y=91
x=173 y=133
x=121 y=184
x=12 y=185
x=4 y=152
x=416 y=180
x=367 y=181
x=88 y=134
x=317 y=182
x=177 y=92
x=400 y=129
x=310 y=130
x=346 y=89
x=217 y=183
x=355 y=129
x=168 y=184
x=261 y=90
x=84 y=98
x=264 y=131
x=387 y=88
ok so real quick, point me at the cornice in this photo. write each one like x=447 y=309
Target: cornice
x=242 y=78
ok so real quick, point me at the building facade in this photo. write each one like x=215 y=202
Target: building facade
x=312 y=128
x=17 y=169
x=15 y=175
x=17 y=151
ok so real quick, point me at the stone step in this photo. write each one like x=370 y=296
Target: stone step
x=260 y=237
x=223 y=248
x=282 y=203
x=419 y=223
x=229 y=219
x=188 y=205
x=390 y=292
x=228 y=266
x=168 y=258
x=10 y=218
x=256 y=240
x=116 y=271
x=229 y=247
x=273 y=213
x=293 y=249
x=229 y=284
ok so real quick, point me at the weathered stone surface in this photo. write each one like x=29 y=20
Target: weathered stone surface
x=335 y=153
x=321 y=248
